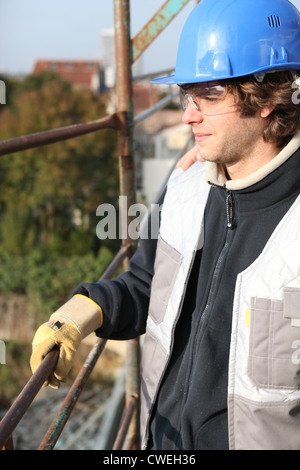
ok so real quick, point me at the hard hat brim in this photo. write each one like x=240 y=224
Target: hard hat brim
x=175 y=80
x=168 y=80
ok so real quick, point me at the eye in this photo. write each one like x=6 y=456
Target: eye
x=211 y=98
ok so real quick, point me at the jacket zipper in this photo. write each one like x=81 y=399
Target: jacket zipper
x=230 y=224
x=229 y=210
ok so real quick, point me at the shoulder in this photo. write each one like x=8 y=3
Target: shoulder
x=196 y=170
x=184 y=184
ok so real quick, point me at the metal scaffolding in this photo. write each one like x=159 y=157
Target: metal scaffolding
x=127 y=52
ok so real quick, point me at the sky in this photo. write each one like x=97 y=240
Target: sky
x=71 y=29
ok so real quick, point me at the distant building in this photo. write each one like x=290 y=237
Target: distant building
x=159 y=142
x=144 y=96
x=108 y=58
x=80 y=73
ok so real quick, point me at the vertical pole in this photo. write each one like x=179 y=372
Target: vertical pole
x=123 y=48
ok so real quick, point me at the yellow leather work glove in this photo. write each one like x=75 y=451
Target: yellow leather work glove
x=76 y=319
x=52 y=333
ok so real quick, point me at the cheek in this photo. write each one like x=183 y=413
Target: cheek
x=233 y=125
x=225 y=126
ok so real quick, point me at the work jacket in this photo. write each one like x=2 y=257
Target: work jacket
x=221 y=351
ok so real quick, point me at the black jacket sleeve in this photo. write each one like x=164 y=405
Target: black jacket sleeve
x=125 y=300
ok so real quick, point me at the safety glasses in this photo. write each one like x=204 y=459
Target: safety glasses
x=210 y=100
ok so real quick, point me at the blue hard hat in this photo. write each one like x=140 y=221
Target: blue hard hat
x=232 y=38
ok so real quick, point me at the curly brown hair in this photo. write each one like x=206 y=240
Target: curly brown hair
x=275 y=89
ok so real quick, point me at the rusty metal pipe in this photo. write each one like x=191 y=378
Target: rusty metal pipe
x=71 y=399
x=155 y=26
x=123 y=48
x=9 y=445
x=155 y=108
x=22 y=403
x=123 y=253
x=131 y=407
x=38 y=139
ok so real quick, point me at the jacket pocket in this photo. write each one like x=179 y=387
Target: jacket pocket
x=154 y=358
x=166 y=266
x=274 y=356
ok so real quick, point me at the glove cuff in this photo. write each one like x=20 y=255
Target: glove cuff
x=83 y=312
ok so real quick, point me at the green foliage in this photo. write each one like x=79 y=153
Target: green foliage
x=13 y=379
x=48 y=280
x=49 y=195
x=51 y=280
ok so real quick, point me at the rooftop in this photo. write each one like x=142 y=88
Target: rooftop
x=79 y=73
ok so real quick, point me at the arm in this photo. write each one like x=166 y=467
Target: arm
x=115 y=309
x=124 y=301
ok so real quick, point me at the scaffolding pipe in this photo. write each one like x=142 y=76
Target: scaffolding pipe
x=123 y=48
x=52 y=136
x=16 y=144
x=161 y=104
x=125 y=423
x=29 y=392
x=71 y=399
x=155 y=26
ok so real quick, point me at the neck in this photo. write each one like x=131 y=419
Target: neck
x=252 y=163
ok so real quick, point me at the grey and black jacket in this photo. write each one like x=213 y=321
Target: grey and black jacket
x=217 y=294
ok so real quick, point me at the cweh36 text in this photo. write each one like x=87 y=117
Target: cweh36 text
x=151 y=459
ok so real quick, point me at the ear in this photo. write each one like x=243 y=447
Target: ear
x=266 y=111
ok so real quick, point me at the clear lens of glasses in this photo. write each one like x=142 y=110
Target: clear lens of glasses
x=209 y=101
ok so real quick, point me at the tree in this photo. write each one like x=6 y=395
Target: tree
x=50 y=194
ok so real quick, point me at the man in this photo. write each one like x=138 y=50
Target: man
x=221 y=353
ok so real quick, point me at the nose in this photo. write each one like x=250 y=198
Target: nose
x=191 y=115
